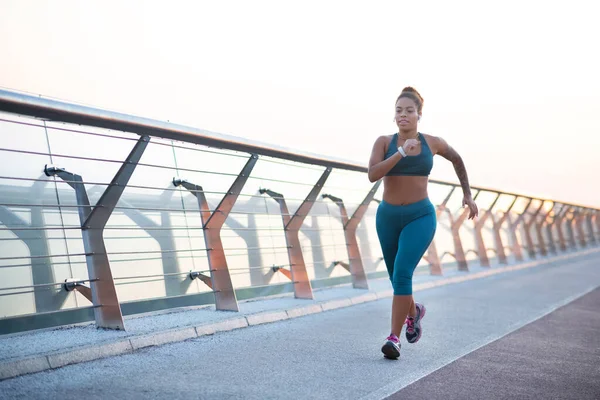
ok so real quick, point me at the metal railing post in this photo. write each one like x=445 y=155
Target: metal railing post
x=220 y=278
x=527 y=229
x=550 y=221
x=497 y=237
x=590 y=226
x=516 y=246
x=539 y=225
x=597 y=219
x=458 y=247
x=356 y=267
x=291 y=226
x=459 y=253
x=479 y=224
x=559 y=227
x=579 y=217
x=431 y=255
x=107 y=310
x=570 y=216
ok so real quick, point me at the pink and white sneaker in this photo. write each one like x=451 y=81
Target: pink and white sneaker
x=391 y=348
x=413 y=325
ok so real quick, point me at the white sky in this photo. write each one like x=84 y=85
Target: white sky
x=512 y=85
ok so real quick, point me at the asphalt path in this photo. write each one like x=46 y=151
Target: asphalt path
x=555 y=357
x=335 y=354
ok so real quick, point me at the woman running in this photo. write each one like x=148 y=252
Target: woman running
x=406 y=219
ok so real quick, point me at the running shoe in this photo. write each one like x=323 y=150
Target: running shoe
x=413 y=325
x=391 y=348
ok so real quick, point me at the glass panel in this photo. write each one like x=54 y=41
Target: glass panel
x=71 y=140
x=134 y=253
x=351 y=187
x=23 y=134
x=21 y=212
x=15 y=301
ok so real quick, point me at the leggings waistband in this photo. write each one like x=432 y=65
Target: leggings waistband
x=409 y=207
x=406 y=213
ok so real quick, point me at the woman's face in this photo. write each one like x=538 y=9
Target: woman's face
x=406 y=114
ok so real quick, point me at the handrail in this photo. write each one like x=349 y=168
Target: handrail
x=55 y=110
x=39 y=107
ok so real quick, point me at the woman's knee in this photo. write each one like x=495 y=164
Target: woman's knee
x=402 y=286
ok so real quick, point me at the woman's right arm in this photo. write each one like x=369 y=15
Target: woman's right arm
x=378 y=167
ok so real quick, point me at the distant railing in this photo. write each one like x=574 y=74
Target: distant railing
x=105 y=214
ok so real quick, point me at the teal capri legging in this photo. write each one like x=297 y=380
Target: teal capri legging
x=405 y=232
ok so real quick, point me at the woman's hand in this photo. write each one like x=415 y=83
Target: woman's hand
x=473 y=211
x=411 y=147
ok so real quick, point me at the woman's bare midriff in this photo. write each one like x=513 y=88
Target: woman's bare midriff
x=403 y=190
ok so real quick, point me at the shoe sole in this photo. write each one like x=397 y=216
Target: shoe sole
x=423 y=311
x=390 y=352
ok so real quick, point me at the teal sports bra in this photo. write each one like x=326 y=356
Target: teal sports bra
x=419 y=165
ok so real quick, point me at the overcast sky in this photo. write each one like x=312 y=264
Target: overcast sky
x=512 y=85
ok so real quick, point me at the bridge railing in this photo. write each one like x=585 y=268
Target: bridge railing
x=104 y=214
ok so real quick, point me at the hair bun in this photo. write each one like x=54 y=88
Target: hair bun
x=410 y=89
x=411 y=93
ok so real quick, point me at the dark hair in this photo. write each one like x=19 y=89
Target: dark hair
x=411 y=93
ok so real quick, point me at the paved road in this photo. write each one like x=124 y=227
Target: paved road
x=329 y=355
x=555 y=357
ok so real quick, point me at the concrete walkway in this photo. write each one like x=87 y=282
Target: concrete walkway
x=331 y=353
x=555 y=357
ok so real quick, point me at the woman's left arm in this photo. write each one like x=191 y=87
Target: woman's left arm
x=445 y=150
